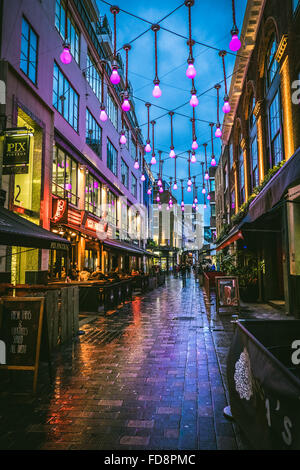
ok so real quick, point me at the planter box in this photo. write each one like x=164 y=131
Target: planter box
x=263 y=372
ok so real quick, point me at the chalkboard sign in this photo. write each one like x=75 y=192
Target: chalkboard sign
x=227 y=292
x=21 y=323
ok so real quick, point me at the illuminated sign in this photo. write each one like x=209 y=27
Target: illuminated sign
x=60 y=212
x=16 y=150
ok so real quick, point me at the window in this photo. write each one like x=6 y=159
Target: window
x=65 y=98
x=225 y=177
x=93 y=134
x=212 y=185
x=73 y=34
x=241 y=172
x=271 y=62
x=112 y=158
x=93 y=77
x=133 y=185
x=124 y=174
x=295 y=5
x=230 y=156
x=92 y=195
x=254 y=179
x=64 y=176
x=29 y=51
x=232 y=198
x=111 y=208
x=133 y=149
x=213 y=210
x=112 y=110
x=275 y=130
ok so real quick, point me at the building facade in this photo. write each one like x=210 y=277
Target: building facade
x=80 y=182
x=258 y=176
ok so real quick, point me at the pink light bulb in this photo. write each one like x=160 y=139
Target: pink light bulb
x=194 y=205
x=197 y=208
x=206 y=175
x=226 y=108
x=156 y=91
x=194 y=145
x=159 y=182
x=161 y=189
x=191 y=71
x=143 y=177
x=203 y=191
x=136 y=165
x=167 y=208
x=115 y=77
x=193 y=159
x=159 y=207
x=103 y=115
x=172 y=154
x=213 y=162
x=182 y=208
x=149 y=191
x=123 y=139
x=218 y=132
x=195 y=200
x=175 y=186
x=235 y=43
x=65 y=56
x=189 y=182
x=194 y=101
x=205 y=206
x=153 y=160
x=126 y=105
x=147 y=148
x=208 y=197
x=189 y=189
x=157 y=198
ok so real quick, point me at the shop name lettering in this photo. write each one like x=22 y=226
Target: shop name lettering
x=17 y=148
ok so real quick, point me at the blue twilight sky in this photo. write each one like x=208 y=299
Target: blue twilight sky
x=211 y=24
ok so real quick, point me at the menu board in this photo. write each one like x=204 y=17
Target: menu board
x=227 y=292
x=21 y=322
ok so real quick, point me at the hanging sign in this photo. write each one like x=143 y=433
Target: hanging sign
x=16 y=150
x=21 y=321
x=227 y=292
x=60 y=212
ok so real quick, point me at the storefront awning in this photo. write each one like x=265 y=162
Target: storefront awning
x=123 y=246
x=234 y=235
x=288 y=175
x=18 y=231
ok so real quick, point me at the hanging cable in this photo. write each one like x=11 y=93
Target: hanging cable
x=153 y=159
x=191 y=71
x=126 y=103
x=194 y=138
x=218 y=132
x=175 y=176
x=172 y=153
x=156 y=91
x=206 y=170
x=226 y=107
x=213 y=159
x=235 y=44
x=148 y=146
x=115 y=77
x=194 y=100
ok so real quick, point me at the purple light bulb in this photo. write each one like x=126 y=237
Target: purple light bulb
x=235 y=43
x=156 y=91
x=226 y=108
x=126 y=105
x=153 y=160
x=208 y=197
x=157 y=198
x=149 y=191
x=194 y=145
x=205 y=206
x=143 y=177
x=123 y=139
x=65 y=56
x=175 y=186
x=218 y=132
x=182 y=208
x=103 y=115
x=159 y=207
x=206 y=175
x=213 y=162
x=191 y=71
x=193 y=158
x=115 y=77
x=189 y=182
x=189 y=189
x=172 y=154
x=147 y=147
x=194 y=101
x=159 y=182
x=195 y=200
x=203 y=191
x=136 y=165
x=161 y=189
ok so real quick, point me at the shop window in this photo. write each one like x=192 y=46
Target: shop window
x=29 y=51
x=73 y=34
x=124 y=174
x=90 y=260
x=65 y=98
x=112 y=110
x=93 y=77
x=64 y=176
x=133 y=185
x=112 y=158
x=92 y=195
x=111 y=208
x=93 y=134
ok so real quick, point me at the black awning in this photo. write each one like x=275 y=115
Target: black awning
x=123 y=246
x=18 y=231
x=286 y=177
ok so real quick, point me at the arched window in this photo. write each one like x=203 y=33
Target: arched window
x=241 y=170
x=254 y=179
x=273 y=103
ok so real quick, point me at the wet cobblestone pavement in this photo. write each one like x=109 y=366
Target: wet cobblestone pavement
x=145 y=377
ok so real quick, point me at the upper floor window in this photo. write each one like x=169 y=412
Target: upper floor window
x=271 y=62
x=241 y=172
x=295 y=4
x=92 y=195
x=64 y=176
x=230 y=155
x=133 y=149
x=93 y=77
x=112 y=158
x=124 y=174
x=93 y=134
x=111 y=208
x=133 y=185
x=254 y=180
x=275 y=130
x=65 y=98
x=29 y=51
x=73 y=34
x=112 y=110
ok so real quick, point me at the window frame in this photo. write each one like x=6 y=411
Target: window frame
x=62 y=191
x=28 y=61
x=114 y=168
x=97 y=128
x=67 y=89
x=61 y=29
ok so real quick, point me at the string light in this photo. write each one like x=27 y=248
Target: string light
x=213 y=158
x=103 y=115
x=126 y=104
x=218 y=132
x=153 y=159
x=148 y=147
x=206 y=177
x=136 y=162
x=123 y=139
x=115 y=77
x=194 y=143
x=172 y=153
x=65 y=56
x=156 y=90
x=226 y=108
x=235 y=43
x=194 y=100
x=189 y=180
x=203 y=183
x=191 y=71
x=175 y=181
x=182 y=201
